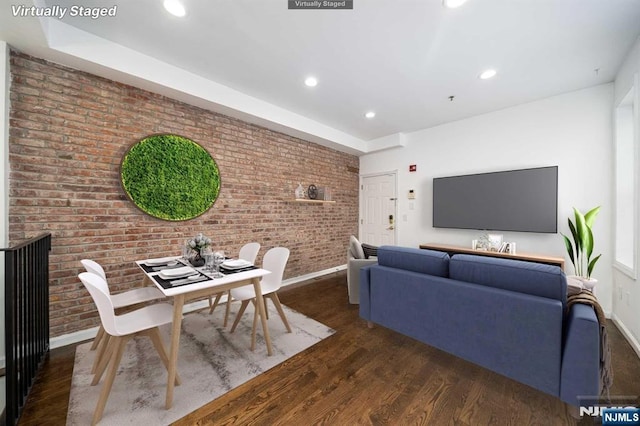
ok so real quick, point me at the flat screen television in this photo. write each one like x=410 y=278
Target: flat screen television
x=523 y=200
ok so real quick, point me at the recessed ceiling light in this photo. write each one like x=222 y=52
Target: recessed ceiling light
x=311 y=81
x=175 y=7
x=488 y=74
x=370 y=114
x=452 y=4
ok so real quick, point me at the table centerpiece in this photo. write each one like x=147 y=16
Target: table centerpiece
x=196 y=245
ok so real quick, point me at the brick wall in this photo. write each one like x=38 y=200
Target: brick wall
x=68 y=133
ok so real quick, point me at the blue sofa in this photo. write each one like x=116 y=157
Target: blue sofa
x=505 y=315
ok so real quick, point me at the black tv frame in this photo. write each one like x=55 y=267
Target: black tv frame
x=439 y=221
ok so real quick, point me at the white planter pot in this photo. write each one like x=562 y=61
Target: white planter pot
x=587 y=283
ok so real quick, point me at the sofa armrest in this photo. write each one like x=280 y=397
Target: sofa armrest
x=365 y=292
x=580 y=375
x=353 y=277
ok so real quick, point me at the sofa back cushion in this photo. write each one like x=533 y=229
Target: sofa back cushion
x=417 y=260
x=524 y=277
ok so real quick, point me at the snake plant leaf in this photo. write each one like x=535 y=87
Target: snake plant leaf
x=591 y=265
x=576 y=239
x=569 y=246
x=581 y=228
x=589 y=246
x=590 y=216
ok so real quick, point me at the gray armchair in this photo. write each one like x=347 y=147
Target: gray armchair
x=355 y=261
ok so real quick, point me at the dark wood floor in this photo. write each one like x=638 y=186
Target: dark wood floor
x=358 y=376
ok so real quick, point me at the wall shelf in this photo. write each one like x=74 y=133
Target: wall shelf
x=304 y=200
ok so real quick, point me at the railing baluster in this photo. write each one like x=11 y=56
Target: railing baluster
x=26 y=319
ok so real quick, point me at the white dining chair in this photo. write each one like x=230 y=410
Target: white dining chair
x=120 y=300
x=275 y=261
x=119 y=329
x=248 y=252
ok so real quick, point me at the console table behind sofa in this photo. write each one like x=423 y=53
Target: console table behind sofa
x=451 y=250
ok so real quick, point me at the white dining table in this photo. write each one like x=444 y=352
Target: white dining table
x=208 y=286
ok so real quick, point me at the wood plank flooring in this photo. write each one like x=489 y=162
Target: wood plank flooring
x=358 y=376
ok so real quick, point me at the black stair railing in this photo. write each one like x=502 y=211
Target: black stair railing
x=26 y=319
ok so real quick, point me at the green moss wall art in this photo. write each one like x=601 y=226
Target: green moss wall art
x=170 y=177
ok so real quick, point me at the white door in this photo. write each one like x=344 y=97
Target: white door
x=378 y=209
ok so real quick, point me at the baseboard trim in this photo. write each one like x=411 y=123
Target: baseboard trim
x=626 y=333
x=90 y=333
x=313 y=275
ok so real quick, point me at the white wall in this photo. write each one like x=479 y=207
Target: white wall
x=572 y=131
x=626 y=290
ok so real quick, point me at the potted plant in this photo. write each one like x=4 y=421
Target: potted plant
x=581 y=250
x=196 y=245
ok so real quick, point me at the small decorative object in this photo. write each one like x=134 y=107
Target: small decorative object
x=197 y=245
x=312 y=192
x=495 y=242
x=474 y=244
x=324 y=193
x=328 y=195
x=170 y=177
x=581 y=250
x=483 y=243
x=299 y=192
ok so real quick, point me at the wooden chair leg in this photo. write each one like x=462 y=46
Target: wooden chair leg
x=157 y=342
x=213 y=305
x=240 y=312
x=102 y=358
x=99 y=336
x=102 y=345
x=276 y=302
x=254 y=327
x=120 y=343
x=227 y=310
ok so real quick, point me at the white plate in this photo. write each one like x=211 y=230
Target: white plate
x=236 y=264
x=177 y=272
x=160 y=261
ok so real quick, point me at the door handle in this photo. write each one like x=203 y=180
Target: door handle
x=390 y=228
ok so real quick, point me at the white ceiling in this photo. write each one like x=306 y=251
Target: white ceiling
x=400 y=58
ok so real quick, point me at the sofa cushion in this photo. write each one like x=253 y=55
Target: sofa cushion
x=417 y=260
x=525 y=277
x=355 y=248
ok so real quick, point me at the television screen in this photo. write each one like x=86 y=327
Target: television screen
x=517 y=200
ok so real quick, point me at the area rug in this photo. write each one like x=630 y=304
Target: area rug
x=211 y=362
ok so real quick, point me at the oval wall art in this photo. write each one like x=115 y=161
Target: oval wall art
x=170 y=177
